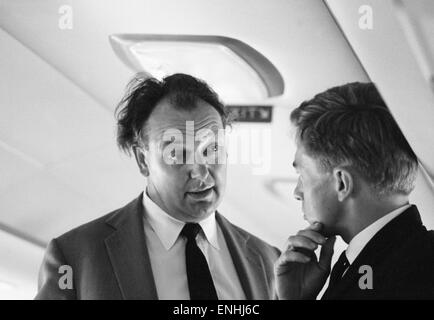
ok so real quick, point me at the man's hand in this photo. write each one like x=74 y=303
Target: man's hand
x=299 y=275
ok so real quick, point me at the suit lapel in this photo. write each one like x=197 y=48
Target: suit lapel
x=247 y=261
x=128 y=253
x=376 y=250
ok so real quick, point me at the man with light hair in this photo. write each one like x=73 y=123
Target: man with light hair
x=356 y=171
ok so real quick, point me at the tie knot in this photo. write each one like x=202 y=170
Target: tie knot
x=191 y=230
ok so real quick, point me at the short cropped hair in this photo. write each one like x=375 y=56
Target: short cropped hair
x=351 y=126
x=143 y=94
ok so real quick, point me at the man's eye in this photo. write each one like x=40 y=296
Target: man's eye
x=214 y=148
x=176 y=155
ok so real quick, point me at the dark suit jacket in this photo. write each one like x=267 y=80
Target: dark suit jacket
x=402 y=259
x=110 y=260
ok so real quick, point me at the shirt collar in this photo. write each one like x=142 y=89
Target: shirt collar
x=209 y=227
x=357 y=244
x=168 y=228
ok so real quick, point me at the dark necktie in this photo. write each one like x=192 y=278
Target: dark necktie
x=200 y=282
x=338 y=270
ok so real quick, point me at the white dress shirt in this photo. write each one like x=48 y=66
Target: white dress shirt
x=357 y=244
x=167 y=254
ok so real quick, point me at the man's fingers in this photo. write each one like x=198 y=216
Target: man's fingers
x=290 y=257
x=302 y=242
x=313 y=235
x=325 y=257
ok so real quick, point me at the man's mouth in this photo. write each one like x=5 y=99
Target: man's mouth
x=202 y=194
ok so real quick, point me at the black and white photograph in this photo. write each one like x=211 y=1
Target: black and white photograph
x=221 y=150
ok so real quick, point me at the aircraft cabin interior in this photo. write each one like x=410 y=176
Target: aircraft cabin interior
x=64 y=66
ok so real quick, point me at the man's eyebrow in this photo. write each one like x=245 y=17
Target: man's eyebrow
x=165 y=143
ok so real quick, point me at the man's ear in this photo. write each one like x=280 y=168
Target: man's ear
x=139 y=154
x=344 y=183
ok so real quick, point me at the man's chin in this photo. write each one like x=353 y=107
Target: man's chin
x=325 y=230
x=199 y=212
x=309 y=220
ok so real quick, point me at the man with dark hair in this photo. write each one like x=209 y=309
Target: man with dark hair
x=356 y=171
x=170 y=242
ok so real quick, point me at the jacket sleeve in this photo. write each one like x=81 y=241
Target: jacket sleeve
x=278 y=253
x=55 y=276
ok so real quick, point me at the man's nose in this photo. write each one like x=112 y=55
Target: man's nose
x=199 y=171
x=298 y=195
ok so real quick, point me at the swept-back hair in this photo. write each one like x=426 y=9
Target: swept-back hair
x=351 y=126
